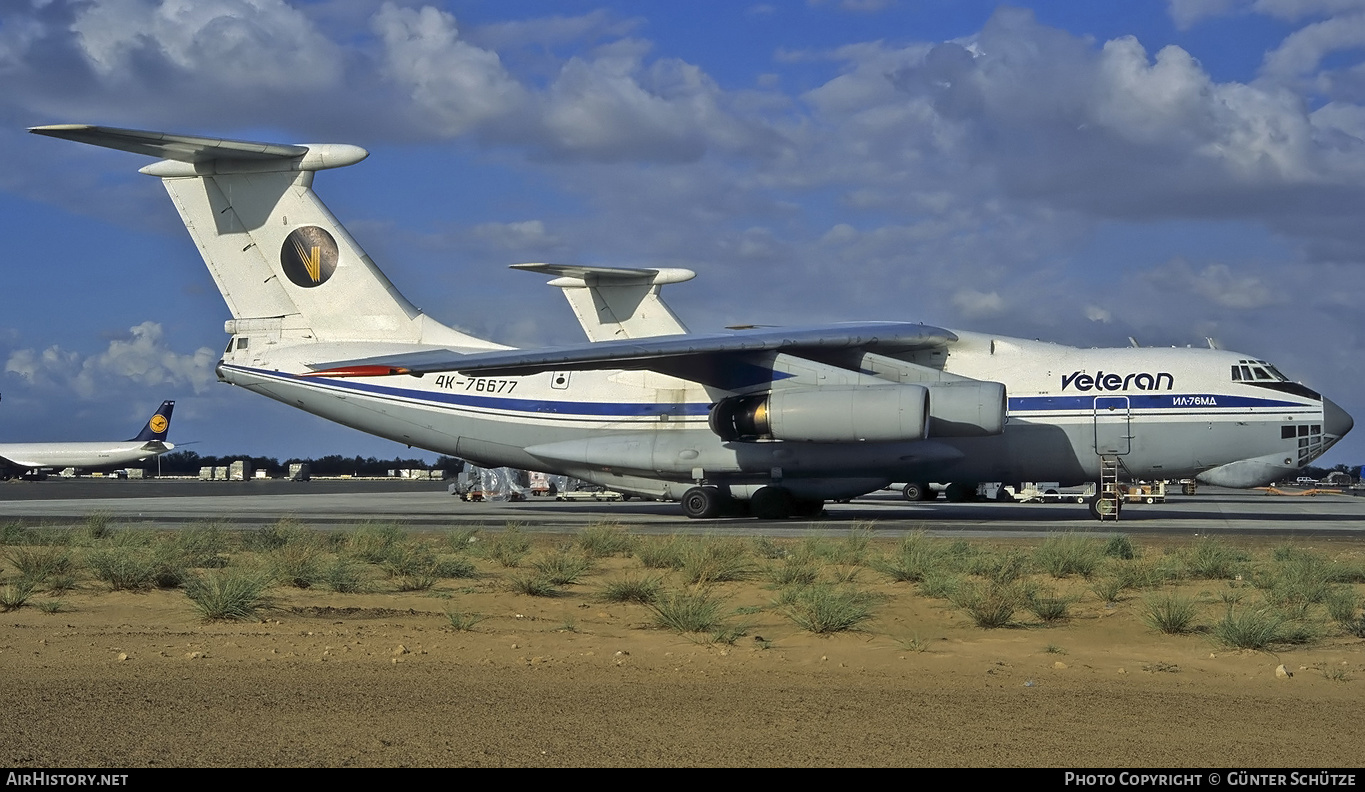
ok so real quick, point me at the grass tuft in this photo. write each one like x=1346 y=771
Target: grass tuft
x=374 y=542
x=229 y=595
x=344 y=576
x=461 y=540
x=825 y=609
x=533 y=586
x=1259 y=629
x=1169 y=613
x=632 y=589
x=692 y=610
x=562 y=569
x=991 y=606
x=1213 y=559
x=509 y=547
x=14 y=595
x=122 y=567
x=464 y=622
x=36 y=564
x=1049 y=609
x=1120 y=546
x=916 y=558
x=605 y=539
x=712 y=559
x=1063 y=555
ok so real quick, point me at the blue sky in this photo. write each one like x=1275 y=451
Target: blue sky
x=1075 y=171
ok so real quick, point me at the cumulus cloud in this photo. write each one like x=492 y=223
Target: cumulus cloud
x=243 y=43
x=973 y=304
x=1217 y=283
x=452 y=82
x=141 y=358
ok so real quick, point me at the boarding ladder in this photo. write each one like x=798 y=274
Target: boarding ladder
x=1108 y=498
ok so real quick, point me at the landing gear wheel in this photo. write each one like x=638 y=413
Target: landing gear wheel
x=915 y=491
x=960 y=493
x=802 y=507
x=1102 y=509
x=703 y=503
x=771 y=503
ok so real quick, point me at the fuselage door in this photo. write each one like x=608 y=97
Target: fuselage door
x=1113 y=425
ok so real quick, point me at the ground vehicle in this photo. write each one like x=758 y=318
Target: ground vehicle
x=589 y=492
x=1144 y=492
x=1053 y=492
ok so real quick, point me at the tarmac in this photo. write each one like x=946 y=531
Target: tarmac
x=338 y=504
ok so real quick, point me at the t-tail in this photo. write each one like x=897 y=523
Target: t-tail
x=287 y=269
x=157 y=426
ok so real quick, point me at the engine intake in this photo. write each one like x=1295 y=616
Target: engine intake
x=832 y=414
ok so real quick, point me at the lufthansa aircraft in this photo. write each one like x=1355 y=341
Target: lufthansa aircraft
x=771 y=421
x=21 y=458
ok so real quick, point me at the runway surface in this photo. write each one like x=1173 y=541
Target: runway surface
x=425 y=505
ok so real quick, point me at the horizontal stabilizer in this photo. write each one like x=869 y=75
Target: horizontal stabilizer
x=208 y=155
x=610 y=276
x=646 y=353
x=185 y=148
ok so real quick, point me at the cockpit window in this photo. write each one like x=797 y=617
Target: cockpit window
x=1256 y=371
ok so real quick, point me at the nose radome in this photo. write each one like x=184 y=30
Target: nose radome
x=1336 y=421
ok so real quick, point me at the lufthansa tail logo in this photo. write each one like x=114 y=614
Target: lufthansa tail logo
x=159 y=423
x=309 y=256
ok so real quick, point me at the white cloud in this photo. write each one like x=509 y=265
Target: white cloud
x=142 y=359
x=1217 y=283
x=1303 y=51
x=457 y=85
x=518 y=237
x=241 y=43
x=973 y=304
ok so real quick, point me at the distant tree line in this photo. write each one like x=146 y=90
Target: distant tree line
x=1320 y=473
x=188 y=463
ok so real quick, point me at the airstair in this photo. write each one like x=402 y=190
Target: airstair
x=1108 y=498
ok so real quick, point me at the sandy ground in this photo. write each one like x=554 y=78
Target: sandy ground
x=119 y=679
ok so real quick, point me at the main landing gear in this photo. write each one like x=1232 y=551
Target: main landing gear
x=768 y=503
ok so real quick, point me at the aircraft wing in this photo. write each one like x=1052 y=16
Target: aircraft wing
x=660 y=353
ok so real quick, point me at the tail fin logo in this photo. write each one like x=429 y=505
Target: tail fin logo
x=309 y=256
x=159 y=423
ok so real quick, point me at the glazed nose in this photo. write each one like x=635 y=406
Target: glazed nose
x=1335 y=421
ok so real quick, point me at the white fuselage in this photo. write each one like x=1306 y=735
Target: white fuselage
x=87 y=455
x=1166 y=413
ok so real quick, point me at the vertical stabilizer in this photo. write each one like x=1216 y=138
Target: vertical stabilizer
x=617 y=303
x=158 y=425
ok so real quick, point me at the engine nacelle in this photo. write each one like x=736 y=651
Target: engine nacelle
x=966 y=408
x=832 y=414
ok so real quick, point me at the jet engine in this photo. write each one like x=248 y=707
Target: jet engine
x=873 y=413
x=831 y=414
x=966 y=408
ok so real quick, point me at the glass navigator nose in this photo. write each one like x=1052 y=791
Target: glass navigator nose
x=1336 y=421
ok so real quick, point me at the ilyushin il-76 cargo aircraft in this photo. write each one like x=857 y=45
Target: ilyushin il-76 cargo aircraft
x=766 y=421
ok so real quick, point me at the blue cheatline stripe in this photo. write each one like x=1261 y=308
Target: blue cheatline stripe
x=531 y=406
x=1169 y=401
